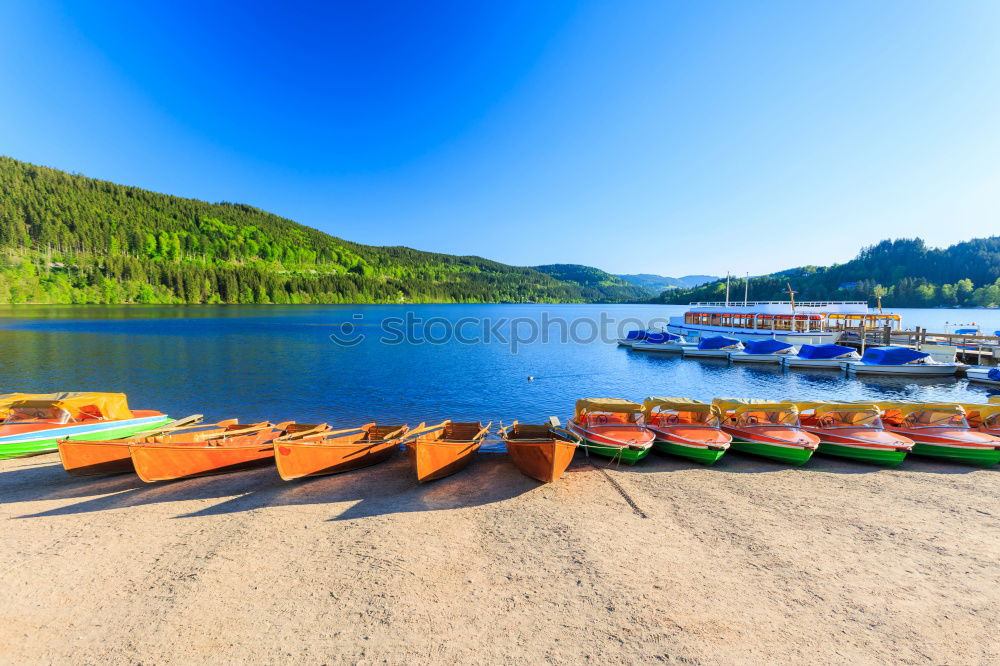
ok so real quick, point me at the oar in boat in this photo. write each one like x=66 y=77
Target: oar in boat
x=111 y=456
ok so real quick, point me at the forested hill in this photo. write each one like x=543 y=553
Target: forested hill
x=70 y=239
x=906 y=272
x=614 y=287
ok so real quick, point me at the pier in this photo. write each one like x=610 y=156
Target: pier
x=971 y=349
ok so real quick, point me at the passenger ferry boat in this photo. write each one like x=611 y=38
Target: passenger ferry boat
x=810 y=322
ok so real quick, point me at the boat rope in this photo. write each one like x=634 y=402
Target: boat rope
x=621 y=491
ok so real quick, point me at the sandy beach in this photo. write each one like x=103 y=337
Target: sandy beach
x=747 y=562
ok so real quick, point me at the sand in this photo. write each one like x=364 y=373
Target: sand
x=747 y=562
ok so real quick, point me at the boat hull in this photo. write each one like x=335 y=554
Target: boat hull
x=792 y=455
x=905 y=369
x=296 y=460
x=156 y=462
x=868 y=454
x=47 y=440
x=978 y=456
x=92 y=458
x=810 y=338
x=665 y=347
x=823 y=364
x=435 y=459
x=699 y=454
x=981 y=375
x=542 y=460
x=739 y=357
x=614 y=447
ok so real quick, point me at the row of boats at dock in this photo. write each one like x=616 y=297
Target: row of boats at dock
x=888 y=360
x=96 y=434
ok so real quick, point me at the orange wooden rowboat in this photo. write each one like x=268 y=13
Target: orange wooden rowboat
x=539 y=451
x=111 y=456
x=183 y=457
x=335 y=451
x=441 y=450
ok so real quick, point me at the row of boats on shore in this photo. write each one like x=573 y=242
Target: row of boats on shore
x=887 y=360
x=96 y=433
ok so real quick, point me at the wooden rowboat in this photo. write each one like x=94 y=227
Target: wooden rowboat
x=441 y=450
x=182 y=457
x=539 y=451
x=111 y=456
x=335 y=451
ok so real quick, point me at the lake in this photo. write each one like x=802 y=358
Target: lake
x=351 y=364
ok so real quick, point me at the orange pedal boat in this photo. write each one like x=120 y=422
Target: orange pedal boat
x=186 y=456
x=539 y=451
x=111 y=456
x=335 y=451
x=438 y=451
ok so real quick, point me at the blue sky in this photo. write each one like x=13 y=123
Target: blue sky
x=662 y=137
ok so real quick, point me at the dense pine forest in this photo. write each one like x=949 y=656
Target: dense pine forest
x=906 y=273
x=70 y=239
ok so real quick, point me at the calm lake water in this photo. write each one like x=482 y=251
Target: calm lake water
x=278 y=363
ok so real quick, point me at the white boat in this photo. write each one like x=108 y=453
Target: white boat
x=718 y=346
x=663 y=342
x=983 y=374
x=900 y=361
x=764 y=351
x=821 y=356
x=810 y=322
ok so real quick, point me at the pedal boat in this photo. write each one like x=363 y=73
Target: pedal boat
x=36 y=423
x=612 y=428
x=686 y=428
x=112 y=456
x=829 y=356
x=334 y=451
x=940 y=430
x=186 y=456
x=767 y=429
x=900 y=361
x=663 y=342
x=853 y=430
x=441 y=450
x=717 y=346
x=768 y=350
x=542 y=452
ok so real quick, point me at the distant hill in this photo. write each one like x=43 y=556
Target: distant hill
x=66 y=238
x=905 y=271
x=611 y=286
x=658 y=283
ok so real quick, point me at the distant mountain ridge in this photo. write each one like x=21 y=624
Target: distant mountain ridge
x=66 y=238
x=905 y=272
x=658 y=283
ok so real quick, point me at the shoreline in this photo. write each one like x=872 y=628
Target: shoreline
x=744 y=562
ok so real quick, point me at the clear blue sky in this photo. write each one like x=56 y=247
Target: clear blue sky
x=663 y=137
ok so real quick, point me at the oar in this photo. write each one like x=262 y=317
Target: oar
x=320 y=429
x=187 y=422
x=423 y=430
x=483 y=432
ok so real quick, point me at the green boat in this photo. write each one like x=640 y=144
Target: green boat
x=854 y=431
x=767 y=429
x=686 y=428
x=612 y=428
x=35 y=423
x=941 y=431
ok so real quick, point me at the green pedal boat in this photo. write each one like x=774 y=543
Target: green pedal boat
x=853 y=430
x=767 y=429
x=35 y=423
x=940 y=430
x=686 y=428
x=612 y=428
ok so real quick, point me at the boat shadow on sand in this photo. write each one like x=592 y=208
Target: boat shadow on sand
x=381 y=489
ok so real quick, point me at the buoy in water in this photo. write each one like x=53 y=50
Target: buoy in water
x=531 y=378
